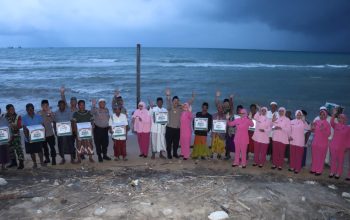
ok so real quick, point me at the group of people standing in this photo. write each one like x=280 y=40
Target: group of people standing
x=261 y=131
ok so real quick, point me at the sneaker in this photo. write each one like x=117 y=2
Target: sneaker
x=100 y=159
x=91 y=160
x=35 y=166
x=63 y=161
x=125 y=159
x=53 y=161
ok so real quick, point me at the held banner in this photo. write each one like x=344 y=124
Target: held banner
x=219 y=126
x=200 y=124
x=4 y=134
x=64 y=128
x=36 y=133
x=84 y=130
x=161 y=117
x=119 y=130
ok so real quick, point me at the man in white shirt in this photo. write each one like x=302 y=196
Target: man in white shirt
x=273 y=110
x=158 y=129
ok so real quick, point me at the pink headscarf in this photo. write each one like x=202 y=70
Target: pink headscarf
x=282 y=109
x=297 y=112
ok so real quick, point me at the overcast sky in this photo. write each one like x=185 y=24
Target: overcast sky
x=316 y=25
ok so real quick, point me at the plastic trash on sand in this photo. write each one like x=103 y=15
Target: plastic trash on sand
x=218 y=215
x=3 y=182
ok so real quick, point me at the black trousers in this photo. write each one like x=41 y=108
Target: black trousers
x=101 y=140
x=172 y=137
x=49 y=141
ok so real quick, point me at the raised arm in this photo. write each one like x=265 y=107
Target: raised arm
x=192 y=98
x=217 y=96
x=231 y=100
x=168 y=101
x=63 y=96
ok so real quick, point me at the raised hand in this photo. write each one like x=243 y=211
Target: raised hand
x=232 y=96
x=62 y=89
x=167 y=92
x=93 y=102
x=117 y=92
x=218 y=93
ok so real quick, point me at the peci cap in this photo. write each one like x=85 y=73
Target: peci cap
x=102 y=100
x=323 y=108
x=273 y=103
x=74 y=98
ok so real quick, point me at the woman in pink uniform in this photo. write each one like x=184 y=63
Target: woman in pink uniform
x=261 y=137
x=322 y=130
x=338 y=144
x=297 y=141
x=142 y=126
x=280 y=138
x=185 y=130
x=241 y=137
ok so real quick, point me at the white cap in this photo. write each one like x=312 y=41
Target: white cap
x=323 y=108
x=101 y=100
x=273 y=103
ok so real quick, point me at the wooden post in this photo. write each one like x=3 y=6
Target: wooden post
x=138 y=74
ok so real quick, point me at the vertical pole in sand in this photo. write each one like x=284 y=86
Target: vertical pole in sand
x=138 y=74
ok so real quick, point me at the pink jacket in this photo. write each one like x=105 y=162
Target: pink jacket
x=282 y=135
x=242 y=125
x=340 y=136
x=143 y=126
x=297 y=134
x=262 y=122
x=321 y=133
x=186 y=124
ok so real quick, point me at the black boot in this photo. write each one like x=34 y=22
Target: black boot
x=21 y=165
x=53 y=161
x=12 y=164
x=105 y=157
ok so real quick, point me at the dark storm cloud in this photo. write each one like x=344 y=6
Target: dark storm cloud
x=308 y=17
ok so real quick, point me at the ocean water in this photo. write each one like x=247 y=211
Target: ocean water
x=296 y=80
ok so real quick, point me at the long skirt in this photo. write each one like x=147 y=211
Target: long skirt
x=200 y=148
x=218 y=145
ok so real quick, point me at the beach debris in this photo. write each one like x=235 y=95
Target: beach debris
x=38 y=199
x=100 y=211
x=218 y=215
x=146 y=203
x=303 y=198
x=346 y=195
x=3 y=182
x=56 y=183
x=134 y=183
x=243 y=205
x=284 y=214
x=332 y=187
x=290 y=180
x=39 y=211
x=44 y=180
x=310 y=182
x=225 y=208
x=167 y=212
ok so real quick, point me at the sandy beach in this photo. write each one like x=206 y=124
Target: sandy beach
x=142 y=188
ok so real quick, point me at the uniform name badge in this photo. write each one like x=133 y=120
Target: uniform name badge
x=254 y=126
x=200 y=124
x=219 y=126
x=36 y=133
x=161 y=117
x=4 y=134
x=64 y=128
x=119 y=130
x=84 y=130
